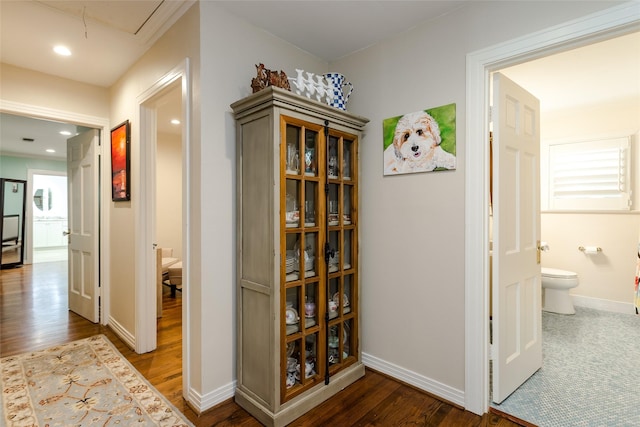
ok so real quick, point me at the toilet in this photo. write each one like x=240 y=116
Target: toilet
x=555 y=285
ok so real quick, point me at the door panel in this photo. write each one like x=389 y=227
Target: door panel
x=516 y=293
x=83 y=221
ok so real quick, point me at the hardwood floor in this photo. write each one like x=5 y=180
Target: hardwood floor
x=34 y=315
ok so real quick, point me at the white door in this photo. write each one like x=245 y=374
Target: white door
x=517 y=314
x=82 y=182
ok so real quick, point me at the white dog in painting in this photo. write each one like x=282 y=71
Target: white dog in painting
x=416 y=146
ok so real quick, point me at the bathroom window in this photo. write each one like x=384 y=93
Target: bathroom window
x=590 y=175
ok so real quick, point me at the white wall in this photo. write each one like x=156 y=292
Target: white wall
x=169 y=193
x=181 y=41
x=230 y=50
x=413 y=226
x=607 y=276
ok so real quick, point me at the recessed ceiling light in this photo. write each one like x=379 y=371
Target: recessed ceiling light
x=65 y=132
x=62 y=50
x=50 y=150
x=175 y=122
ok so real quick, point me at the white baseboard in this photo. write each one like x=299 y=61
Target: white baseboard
x=603 y=304
x=427 y=384
x=121 y=332
x=201 y=403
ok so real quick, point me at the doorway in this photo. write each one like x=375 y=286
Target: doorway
x=168 y=205
x=606 y=24
x=612 y=90
x=175 y=86
x=85 y=122
x=48 y=203
x=565 y=228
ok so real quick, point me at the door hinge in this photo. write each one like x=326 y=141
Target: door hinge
x=492 y=356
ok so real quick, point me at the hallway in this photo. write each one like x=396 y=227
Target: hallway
x=34 y=315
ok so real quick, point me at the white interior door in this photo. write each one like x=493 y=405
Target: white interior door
x=82 y=181
x=517 y=315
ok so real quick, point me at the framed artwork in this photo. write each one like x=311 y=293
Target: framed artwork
x=120 y=162
x=422 y=141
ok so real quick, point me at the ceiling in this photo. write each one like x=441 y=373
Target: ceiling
x=331 y=30
x=107 y=37
x=592 y=74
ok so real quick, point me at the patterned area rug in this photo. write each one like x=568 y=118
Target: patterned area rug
x=85 y=382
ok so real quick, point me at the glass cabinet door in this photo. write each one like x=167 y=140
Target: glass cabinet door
x=301 y=242
x=319 y=249
x=342 y=238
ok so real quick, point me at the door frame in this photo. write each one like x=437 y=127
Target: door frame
x=104 y=190
x=145 y=287
x=606 y=24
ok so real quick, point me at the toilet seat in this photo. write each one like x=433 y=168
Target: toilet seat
x=557 y=273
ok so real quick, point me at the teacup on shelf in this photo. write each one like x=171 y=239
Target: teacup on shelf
x=291 y=316
x=309 y=309
x=292 y=362
x=291 y=379
x=345 y=299
x=292 y=218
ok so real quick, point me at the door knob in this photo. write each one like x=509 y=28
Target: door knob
x=66 y=232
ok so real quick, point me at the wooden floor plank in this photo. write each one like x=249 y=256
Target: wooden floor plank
x=352 y=403
x=34 y=315
x=406 y=407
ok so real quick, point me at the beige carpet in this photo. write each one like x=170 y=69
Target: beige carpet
x=82 y=383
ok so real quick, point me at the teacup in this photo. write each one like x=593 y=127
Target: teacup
x=309 y=309
x=292 y=363
x=291 y=379
x=333 y=306
x=308 y=369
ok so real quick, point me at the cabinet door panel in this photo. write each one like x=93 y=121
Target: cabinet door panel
x=257 y=264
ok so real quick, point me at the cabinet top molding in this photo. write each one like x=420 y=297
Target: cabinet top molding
x=275 y=96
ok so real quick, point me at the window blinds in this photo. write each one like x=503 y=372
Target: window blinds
x=590 y=175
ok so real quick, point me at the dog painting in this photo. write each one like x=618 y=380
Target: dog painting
x=422 y=141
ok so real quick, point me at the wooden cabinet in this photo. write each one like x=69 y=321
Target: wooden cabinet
x=298 y=265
